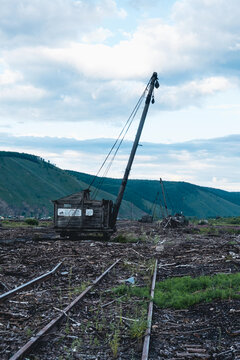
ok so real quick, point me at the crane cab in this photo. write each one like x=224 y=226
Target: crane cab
x=77 y=215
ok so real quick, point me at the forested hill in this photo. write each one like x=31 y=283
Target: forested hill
x=28 y=184
x=192 y=200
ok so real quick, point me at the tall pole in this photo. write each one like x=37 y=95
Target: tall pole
x=164 y=199
x=153 y=82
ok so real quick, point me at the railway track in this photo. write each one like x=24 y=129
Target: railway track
x=101 y=318
x=109 y=324
x=11 y=293
x=35 y=340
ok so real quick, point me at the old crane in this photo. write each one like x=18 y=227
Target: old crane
x=78 y=215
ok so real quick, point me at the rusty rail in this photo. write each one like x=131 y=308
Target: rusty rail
x=29 y=284
x=47 y=328
x=149 y=320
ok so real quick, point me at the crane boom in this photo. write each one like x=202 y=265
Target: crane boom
x=116 y=207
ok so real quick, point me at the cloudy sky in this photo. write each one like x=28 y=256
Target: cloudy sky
x=71 y=71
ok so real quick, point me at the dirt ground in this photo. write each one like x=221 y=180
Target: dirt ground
x=106 y=325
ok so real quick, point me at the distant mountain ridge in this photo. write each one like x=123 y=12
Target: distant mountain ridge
x=28 y=184
x=192 y=200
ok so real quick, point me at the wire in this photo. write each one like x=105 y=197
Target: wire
x=168 y=198
x=115 y=153
x=125 y=128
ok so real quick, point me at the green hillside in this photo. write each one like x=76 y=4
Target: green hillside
x=191 y=199
x=28 y=184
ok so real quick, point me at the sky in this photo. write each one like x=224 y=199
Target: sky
x=71 y=72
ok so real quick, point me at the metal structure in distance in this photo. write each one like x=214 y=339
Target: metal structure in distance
x=77 y=215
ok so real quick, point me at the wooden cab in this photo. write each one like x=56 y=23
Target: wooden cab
x=77 y=215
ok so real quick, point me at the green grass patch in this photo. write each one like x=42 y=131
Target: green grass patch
x=224 y=221
x=219 y=221
x=126 y=238
x=230 y=231
x=209 y=230
x=123 y=289
x=33 y=222
x=182 y=292
x=14 y=224
x=24 y=223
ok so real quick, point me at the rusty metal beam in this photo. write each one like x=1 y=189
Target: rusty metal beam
x=149 y=320
x=35 y=339
x=39 y=279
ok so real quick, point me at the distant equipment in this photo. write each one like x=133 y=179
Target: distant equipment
x=172 y=221
x=149 y=218
x=168 y=221
x=78 y=215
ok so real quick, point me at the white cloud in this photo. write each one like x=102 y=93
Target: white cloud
x=97 y=36
x=204 y=17
x=55 y=56
x=192 y=93
x=51 y=22
x=184 y=53
x=21 y=93
x=199 y=36
x=201 y=32
x=9 y=77
x=124 y=89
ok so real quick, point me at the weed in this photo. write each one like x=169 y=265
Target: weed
x=69 y=284
x=114 y=344
x=60 y=339
x=142 y=292
x=127 y=238
x=100 y=325
x=79 y=289
x=156 y=239
x=60 y=299
x=31 y=222
x=228 y=257
x=67 y=355
x=141 y=316
x=137 y=328
x=67 y=327
x=96 y=342
x=143 y=238
x=29 y=332
x=150 y=267
x=90 y=339
x=230 y=231
x=13 y=224
x=76 y=345
x=209 y=230
x=120 y=314
x=219 y=337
